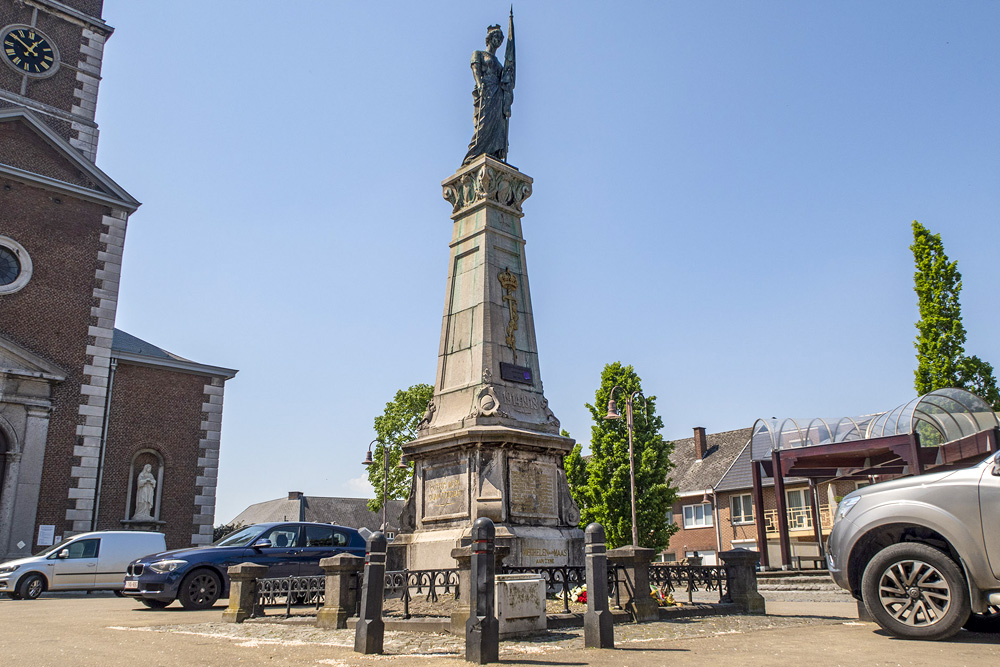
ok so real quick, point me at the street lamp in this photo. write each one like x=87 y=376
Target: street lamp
x=385 y=476
x=613 y=414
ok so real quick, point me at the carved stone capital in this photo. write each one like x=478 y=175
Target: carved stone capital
x=487 y=181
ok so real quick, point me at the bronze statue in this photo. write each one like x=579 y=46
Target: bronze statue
x=493 y=95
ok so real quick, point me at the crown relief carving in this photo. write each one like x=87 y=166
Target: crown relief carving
x=487 y=184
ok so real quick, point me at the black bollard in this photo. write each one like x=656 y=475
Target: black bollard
x=598 y=628
x=482 y=630
x=370 y=629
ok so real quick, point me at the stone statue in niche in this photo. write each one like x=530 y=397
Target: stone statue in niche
x=493 y=95
x=144 y=488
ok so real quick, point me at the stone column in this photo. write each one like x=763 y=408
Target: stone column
x=598 y=625
x=242 y=591
x=482 y=631
x=636 y=562
x=340 y=599
x=7 y=492
x=370 y=630
x=741 y=579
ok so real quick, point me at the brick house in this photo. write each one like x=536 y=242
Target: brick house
x=84 y=407
x=715 y=511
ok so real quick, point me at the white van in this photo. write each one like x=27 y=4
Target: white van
x=85 y=562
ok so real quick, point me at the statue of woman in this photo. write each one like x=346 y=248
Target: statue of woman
x=144 y=494
x=492 y=96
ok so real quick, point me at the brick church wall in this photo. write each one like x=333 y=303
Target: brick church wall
x=158 y=409
x=51 y=316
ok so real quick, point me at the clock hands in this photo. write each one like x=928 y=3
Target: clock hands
x=30 y=49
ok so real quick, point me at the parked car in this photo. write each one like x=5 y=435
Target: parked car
x=86 y=562
x=198 y=576
x=923 y=552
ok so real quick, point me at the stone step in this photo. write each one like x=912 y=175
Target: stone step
x=831 y=587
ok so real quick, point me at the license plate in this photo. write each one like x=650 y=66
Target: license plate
x=131 y=584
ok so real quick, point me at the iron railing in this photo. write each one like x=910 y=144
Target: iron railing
x=690 y=578
x=426 y=583
x=288 y=591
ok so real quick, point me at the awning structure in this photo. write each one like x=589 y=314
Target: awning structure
x=945 y=428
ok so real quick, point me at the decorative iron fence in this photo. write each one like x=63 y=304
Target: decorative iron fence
x=410 y=584
x=288 y=591
x=690 y=578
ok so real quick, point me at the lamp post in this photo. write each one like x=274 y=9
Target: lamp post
x=385 y=474
x=614 y=414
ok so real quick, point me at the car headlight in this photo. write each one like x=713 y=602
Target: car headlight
x=8 y=569
x=845 y=507
x=164 y=566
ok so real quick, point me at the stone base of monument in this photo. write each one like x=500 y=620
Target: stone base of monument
x=520 y=604
x=539 y=546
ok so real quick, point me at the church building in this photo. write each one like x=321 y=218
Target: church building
x=99 y=429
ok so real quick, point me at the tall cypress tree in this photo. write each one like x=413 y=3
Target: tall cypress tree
x=940 y=343
x=606 y=496
x=940 y=339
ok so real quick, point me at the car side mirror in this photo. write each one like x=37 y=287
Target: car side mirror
x=996 y=465
x=262 y=544
x=63 y=554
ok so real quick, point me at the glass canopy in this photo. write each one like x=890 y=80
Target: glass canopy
x=941 y=416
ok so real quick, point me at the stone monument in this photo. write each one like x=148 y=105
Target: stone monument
x=489 y=445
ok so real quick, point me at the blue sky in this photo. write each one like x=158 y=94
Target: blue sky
x=723 y=197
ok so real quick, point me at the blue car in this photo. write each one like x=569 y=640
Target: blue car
x=198 y=576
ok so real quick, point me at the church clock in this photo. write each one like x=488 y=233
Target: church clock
x=29 y=51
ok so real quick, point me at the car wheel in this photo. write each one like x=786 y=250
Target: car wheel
x=199 y=590
x=155 y=604
x=31 y=586
x=118 y=593
x=988 y=621
x=915 y=591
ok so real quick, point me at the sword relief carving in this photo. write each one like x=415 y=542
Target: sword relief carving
x=509 y=282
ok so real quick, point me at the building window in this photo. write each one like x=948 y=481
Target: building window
x=15 y=266
x=698 y=516
x=741 y=509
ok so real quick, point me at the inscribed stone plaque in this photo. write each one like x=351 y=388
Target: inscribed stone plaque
x=445 y=493
x=532 y=489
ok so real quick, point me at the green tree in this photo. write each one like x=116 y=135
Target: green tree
x=395 y=426
x=605 y=496
x=576 y=471
x=940 y=343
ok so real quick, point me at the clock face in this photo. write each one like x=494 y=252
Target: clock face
x=29 y=51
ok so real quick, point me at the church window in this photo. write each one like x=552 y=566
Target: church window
x=15 y=266
x=10 y=268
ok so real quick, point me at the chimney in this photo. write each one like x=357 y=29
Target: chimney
x=297 y=495
x=700 y=442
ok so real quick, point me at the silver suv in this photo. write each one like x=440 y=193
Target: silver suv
x=923 y=552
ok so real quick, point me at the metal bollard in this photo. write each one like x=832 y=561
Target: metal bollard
x=370 y=630
x=482 y=630
x=598 y=627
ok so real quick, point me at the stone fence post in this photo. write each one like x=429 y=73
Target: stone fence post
x=370 y=630
x=635 y=561
x=598 y=625
x=482 y=631
x=463 y=561
x=242 y=591
x=340 y=600
x=741 y=579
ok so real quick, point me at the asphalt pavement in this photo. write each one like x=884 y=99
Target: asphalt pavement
x=78 y=629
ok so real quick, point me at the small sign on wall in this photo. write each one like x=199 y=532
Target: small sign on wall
x=46 y=535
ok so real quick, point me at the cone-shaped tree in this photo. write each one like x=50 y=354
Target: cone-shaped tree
x=606 y=497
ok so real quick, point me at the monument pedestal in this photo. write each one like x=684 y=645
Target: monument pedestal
x=489 y=446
